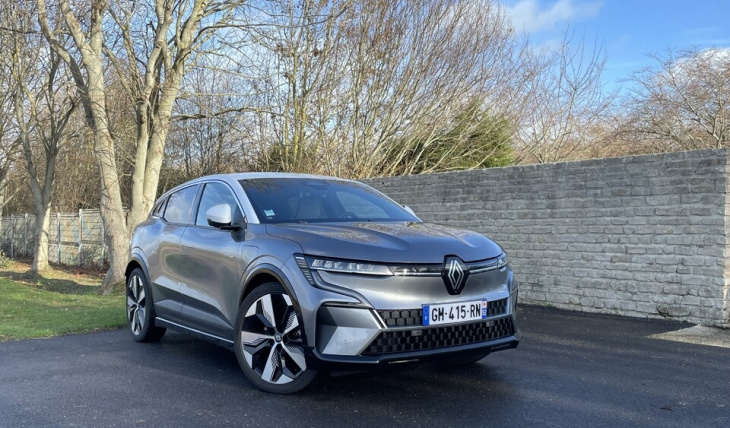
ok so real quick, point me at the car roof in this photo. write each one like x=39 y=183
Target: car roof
x=250 y=175
x=236 y=176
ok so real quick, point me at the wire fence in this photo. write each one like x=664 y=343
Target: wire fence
x=74 y=239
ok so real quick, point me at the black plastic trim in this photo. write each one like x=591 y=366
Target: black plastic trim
x=352 y=363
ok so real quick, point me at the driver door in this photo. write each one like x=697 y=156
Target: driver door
x=213 y=264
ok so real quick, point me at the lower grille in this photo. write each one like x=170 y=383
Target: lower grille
x=390 y=342
x=402 y=317
x=414 y=317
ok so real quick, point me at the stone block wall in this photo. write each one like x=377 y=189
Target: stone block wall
x=642 y=236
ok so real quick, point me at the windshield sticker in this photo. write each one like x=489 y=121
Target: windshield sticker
x=269 y=213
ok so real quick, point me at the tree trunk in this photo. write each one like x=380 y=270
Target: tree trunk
x=111 y=208
x=40 y=251
x=117 y=237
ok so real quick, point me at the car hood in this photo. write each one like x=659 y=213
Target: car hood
x=387 y=242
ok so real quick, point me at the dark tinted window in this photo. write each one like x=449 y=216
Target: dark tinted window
x=215 y=194
x=180 y=205
x=281 y=200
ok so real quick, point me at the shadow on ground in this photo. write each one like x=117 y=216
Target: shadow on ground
x=51 y=283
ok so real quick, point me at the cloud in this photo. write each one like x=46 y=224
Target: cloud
x=529 y=16
x=702 y=31
x=706 y=36
x=705 y=64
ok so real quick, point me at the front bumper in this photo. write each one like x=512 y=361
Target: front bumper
x=356 y=336
x=370 y=326
x=402 y=339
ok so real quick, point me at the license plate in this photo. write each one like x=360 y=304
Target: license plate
x=450 y=313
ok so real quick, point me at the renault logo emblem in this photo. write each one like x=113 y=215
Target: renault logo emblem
x=454 y=275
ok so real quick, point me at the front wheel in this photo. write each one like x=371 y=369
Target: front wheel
x=140 y=310
x=270 y=341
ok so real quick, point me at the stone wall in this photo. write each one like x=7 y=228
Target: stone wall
x=643 y=236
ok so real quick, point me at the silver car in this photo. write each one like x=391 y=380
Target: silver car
x=301 y=274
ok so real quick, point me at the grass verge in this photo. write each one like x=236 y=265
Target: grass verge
x=54 y=303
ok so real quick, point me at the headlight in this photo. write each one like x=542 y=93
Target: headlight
x=488 y=265
x=502 y=261
x=307 y=264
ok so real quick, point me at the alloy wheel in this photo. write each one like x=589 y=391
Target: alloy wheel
x=136 y=304
x=271 y=339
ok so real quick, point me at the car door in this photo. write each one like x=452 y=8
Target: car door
x=164 y=264
x=212 y=263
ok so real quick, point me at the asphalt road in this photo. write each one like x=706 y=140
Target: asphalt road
x=570 y=370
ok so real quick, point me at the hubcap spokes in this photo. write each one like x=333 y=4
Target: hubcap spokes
x=135 y=304
x=272 y=341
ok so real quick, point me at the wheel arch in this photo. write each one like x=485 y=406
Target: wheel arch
x=135 y=262
x=267 y=273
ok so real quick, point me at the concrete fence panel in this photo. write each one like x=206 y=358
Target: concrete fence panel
x=74 y=238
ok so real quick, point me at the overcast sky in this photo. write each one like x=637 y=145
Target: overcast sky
x=628 y=29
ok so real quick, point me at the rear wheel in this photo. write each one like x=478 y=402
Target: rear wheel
x=140 y=310
x=270 y=341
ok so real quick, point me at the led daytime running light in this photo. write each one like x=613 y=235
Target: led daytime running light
x=341 y=266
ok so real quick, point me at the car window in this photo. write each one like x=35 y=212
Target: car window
x=282 y=200
x=360 y=207
x=180 y=205
x=159 y=208
x=215 y=194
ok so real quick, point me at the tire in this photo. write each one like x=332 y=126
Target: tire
x=270 y=341
x=463 y=358
x=141 y=310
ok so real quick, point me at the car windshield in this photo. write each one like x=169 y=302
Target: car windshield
x=287 y=200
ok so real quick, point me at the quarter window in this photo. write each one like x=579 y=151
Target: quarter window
x=159 y=208
x=180 y=205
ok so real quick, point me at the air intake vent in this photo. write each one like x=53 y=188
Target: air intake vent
x=390 y=342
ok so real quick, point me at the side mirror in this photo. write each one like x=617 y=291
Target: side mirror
x=219 y=216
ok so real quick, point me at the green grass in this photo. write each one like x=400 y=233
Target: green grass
x=43 y=307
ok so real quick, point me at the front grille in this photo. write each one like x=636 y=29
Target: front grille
x=390 y=342
x=413 y=317
x=497 y=307
x=402 y=317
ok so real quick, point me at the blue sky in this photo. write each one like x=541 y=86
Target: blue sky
x=627 y=29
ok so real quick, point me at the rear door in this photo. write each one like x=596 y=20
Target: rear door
x=164 y=262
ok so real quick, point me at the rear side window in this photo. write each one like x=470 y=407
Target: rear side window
x=180 y=205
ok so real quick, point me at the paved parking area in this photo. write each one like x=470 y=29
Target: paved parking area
x=570 y=370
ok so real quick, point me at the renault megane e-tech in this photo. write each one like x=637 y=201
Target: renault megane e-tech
x=300 y=274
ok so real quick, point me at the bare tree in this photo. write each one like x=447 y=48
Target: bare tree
x=564 y=103
x=683 y=102
x=9 y=136
x=151 y=42
x=352 y=88
x=44 y=104
x=209 y=133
